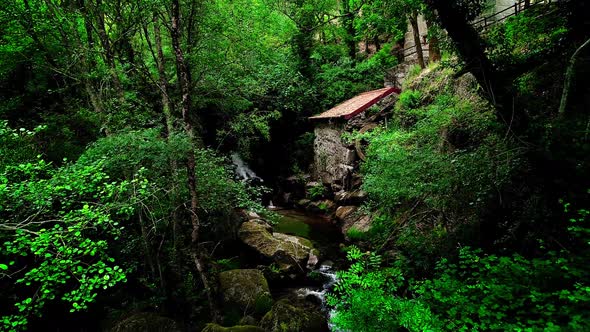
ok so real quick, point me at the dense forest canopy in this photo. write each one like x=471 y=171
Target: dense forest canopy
x=119 y=122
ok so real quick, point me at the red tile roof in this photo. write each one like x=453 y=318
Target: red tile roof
x=356 y=105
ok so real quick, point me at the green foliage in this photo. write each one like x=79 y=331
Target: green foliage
x=528 y=35
x=316 y=192
x=414 y=71
x=366 y=298
x=450 y=151
x=345 y=78
x=356 y=235
x=475 y=292
x=226 y=264
x=410 y=99
x=58 y=226
x=16 y=146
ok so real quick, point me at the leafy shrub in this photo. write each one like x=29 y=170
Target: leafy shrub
x=316 y=192
x=16 y=146
x=414 y=71
x=410 y=99
x=355 y=234
x=475 y=292
x=366 y=298
x=345 y=78
x=58 y=226
x=530 y=34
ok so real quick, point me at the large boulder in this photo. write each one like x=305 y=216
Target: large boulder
x=290 y=253
x=238 y=328
x=349 y=218
x=284 y=317
x=246 y=290
x=146 y=322
x=356 y=197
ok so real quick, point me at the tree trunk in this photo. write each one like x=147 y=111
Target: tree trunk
x=417 y=41
x=87 y=62
x=107 y=47
x=196 y=253
x=471 y=51
x=433 y=44
x=569 y=75
x=161 y=61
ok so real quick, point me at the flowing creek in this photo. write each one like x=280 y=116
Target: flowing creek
x=326 y=237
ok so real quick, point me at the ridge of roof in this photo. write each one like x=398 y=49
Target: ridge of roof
x=356 y=105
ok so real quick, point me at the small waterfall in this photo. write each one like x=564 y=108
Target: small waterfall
x=331 y=279
x=242 y=170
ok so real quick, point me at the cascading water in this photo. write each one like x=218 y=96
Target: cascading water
x=242 y=169
x=330 y=276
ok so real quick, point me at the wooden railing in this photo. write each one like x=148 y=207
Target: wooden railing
x=490 y=20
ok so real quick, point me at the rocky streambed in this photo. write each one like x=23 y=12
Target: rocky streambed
x=289 y=269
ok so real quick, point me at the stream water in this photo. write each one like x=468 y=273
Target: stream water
x=326 y=237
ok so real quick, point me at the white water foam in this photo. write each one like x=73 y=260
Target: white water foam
x=331 y=279
x=242 y=169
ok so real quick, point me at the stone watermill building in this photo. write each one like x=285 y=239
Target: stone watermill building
x=334 y=159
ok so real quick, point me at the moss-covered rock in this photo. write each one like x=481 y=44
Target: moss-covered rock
x=146 y=322
x=284 y=317
x=238 y=328
x=289 y=252
x=245 y=289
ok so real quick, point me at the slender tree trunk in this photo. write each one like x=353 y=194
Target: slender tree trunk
x=167 y=110
x=146 y=245
x=197 y=254
x=417 y=41
x=87 y=62
x=433 y=44
x=470 y=49
x=107 y=47
x=569 y=75
x=161 y=61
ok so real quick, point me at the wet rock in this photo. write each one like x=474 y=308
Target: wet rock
x=313 y=259
x=146 y=322
x=329 y=204
x=356 y=197
x=250 y=215
x=245 y=289
x=287 y=198
x=336 y=187
x=344 y=212
x=303 y=203
x=328 y=264
x=238 y=328
x=262 y=223
x=313 y=299
x=284 y=317
x=312 y=184
x=290 y=253
x=360 y=224
x=323 y=206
